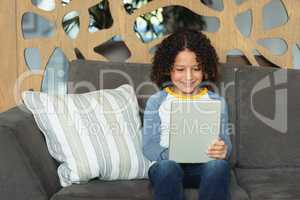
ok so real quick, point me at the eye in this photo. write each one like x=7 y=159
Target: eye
x=179 y=69
x=197 y=68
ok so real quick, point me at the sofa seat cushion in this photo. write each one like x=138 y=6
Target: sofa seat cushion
x=267 y=184
x=98 y=189
x=131 y=190
x=124 y=189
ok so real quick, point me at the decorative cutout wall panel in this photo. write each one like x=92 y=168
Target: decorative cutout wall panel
x=227 y=37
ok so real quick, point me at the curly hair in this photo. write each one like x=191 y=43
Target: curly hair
x=169 y=48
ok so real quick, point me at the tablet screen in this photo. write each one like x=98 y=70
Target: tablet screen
x=194 y=125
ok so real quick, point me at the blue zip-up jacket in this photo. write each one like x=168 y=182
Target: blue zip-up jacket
x=151 y=127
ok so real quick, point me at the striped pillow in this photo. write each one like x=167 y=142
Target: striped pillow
x=96 y=134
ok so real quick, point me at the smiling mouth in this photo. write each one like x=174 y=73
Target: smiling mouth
x=188 y=83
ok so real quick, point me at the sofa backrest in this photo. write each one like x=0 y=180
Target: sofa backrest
x=268 y=109
x=85 y=76
x=258 y=118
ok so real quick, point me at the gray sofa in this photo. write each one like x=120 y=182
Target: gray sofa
x=264 y=108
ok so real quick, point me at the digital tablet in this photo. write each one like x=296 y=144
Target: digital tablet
x=194 y=125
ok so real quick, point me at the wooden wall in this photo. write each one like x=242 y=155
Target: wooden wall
x=8 y=53
x=228 y=37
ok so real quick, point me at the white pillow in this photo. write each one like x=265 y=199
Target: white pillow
x=96 y=134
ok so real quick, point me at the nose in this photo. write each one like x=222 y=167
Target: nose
x=189 y=74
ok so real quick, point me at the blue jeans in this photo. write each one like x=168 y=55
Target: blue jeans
x=169 y=178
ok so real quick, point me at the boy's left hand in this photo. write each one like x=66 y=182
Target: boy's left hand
x=217 y=150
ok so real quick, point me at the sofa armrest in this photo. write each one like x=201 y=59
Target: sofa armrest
x=17 y=178
x=27 y=149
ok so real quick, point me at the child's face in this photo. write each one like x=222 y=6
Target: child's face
x=186 y=74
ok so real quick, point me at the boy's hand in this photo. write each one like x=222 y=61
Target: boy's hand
x=217 y=150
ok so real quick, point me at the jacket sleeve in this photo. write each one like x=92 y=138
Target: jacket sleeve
x=224 y=130
x=151 y=131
